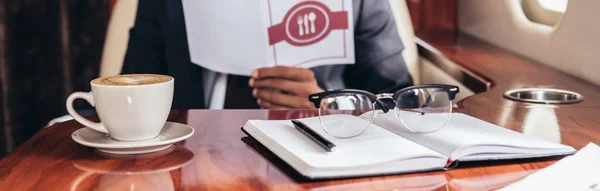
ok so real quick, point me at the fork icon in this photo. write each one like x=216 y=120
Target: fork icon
x=300 y=21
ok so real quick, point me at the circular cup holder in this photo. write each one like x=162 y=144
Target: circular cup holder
x=543 y=95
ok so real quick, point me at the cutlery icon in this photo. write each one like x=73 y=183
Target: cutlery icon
x=303 y=23
x=312 y=16
x=306 y=24
x=300 y=21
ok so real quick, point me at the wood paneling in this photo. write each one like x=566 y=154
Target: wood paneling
x=48 y=49
x=6 y=141
x=429 y=15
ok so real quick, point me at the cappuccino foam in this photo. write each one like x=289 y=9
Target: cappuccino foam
x=132 y=79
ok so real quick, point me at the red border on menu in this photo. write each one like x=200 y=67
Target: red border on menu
x=314 y=59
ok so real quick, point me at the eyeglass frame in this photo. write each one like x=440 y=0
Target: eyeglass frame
x=451 y=90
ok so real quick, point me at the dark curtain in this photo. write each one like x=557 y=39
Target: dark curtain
x=48 y=49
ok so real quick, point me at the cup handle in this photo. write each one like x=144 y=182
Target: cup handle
x=88 y=97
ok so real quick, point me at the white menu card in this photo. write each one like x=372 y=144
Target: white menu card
x=578 y=172
x=236 y=37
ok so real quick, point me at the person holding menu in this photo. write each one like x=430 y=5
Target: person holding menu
x=158 y=44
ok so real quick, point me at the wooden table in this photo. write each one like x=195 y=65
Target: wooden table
x=219 y=157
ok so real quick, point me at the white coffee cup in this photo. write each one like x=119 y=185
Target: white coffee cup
x=129 y=108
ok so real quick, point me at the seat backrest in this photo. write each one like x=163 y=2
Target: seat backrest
x=406 y=32
x=117 y=36
x=123 y=17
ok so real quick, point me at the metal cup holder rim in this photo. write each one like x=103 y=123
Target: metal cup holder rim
x=577 y=97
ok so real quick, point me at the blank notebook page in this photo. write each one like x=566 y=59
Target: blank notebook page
x=376 y=145
x=463 y=131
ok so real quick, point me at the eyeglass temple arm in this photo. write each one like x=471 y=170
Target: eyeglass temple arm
x=383 y=106
x=426 y=103
x=428 y=100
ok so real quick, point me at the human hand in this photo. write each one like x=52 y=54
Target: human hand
x=294 y=85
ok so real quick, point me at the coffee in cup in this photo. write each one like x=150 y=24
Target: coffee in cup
x=131 y=107
x=132 y=80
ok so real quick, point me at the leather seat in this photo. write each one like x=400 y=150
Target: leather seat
x=117 y=36
x=407 y=34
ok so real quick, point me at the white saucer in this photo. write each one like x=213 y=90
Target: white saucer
x=171 y=133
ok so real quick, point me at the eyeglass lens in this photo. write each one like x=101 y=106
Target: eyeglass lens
x=348 y=104
x=424 y=109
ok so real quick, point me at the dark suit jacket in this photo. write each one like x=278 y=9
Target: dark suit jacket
x=158 y=44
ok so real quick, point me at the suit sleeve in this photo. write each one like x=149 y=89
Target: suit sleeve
x=379 y=65
x=145 y=51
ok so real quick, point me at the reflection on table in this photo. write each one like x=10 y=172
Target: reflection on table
x=103 y=171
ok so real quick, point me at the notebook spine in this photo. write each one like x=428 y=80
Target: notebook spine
x=451 y=164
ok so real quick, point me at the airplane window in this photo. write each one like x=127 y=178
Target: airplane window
x=554 y=5
x=546 y=12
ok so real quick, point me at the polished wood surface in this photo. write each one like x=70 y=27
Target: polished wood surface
x=503 y=70
x=475 y=82
x=220 y=157
x=428 y=15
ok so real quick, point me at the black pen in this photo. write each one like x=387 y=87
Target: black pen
x=320 y=140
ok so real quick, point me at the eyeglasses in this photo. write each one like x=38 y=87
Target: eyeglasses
x=422 y=108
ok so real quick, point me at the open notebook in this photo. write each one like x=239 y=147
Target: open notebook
x=385 y=148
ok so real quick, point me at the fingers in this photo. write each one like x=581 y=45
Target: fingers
x=297 y=74
x=292 y=87
x=269 y=105
x=298 y=83
x=282 y=100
